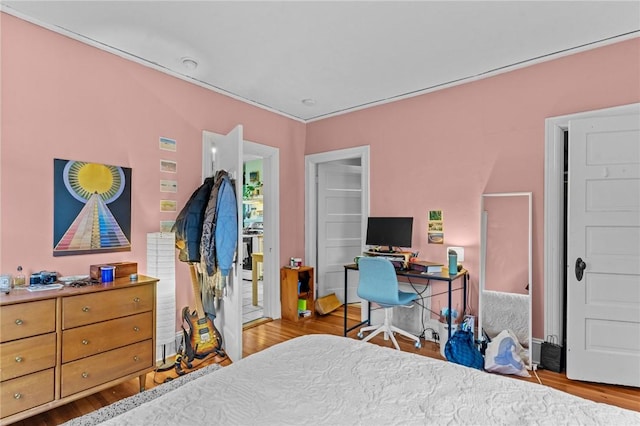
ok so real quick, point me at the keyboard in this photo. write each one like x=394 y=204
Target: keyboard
x=42 y=287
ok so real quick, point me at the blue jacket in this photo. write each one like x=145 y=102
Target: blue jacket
x=188 y=225
x=226 y=232
x=219 y=229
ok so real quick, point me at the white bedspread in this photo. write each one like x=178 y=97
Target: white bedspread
x=321 y=379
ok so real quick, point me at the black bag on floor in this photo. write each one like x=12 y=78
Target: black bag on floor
x=551 y=355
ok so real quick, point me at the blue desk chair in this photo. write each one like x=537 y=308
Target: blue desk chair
x=379 y=284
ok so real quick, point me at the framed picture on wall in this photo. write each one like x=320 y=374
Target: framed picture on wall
x=435 y=229
x=168 y=166
x=91 y=208
x=167 y=144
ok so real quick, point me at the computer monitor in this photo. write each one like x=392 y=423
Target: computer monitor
x=390 y=232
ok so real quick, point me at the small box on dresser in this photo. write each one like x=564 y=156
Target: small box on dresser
x=123 y=269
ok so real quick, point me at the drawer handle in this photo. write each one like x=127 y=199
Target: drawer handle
x=18 y=359
x=85 y=375
x=135 y=358
x=136 y=299
x=136 y=328
x=85 y=342
x=19 y=321
x=85 y=309
x=17 y=395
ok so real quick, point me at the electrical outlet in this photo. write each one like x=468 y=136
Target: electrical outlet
x=436 y=336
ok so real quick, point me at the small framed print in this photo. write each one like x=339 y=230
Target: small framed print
x=168 y=206
x=168 y=186
x=166 y=225
x=168 y=166
x=436 y=238
x=167 y=144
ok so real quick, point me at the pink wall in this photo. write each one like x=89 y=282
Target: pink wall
x=444 y=149
x=64 y=99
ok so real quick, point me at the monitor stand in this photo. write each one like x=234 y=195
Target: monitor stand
x=389 y=250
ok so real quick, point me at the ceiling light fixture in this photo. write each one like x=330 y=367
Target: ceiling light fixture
x=309 y=102
x=189 y=63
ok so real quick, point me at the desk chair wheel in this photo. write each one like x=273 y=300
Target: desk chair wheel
x=360 y=335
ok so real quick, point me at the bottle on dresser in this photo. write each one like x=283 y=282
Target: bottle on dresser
x=19 y=279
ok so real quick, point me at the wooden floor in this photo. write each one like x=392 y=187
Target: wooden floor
x=260 y=336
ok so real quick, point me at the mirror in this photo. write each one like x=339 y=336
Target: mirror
x=505 y=266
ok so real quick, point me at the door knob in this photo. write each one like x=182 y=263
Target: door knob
x=580 y=267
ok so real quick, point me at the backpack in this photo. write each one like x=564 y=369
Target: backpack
x=460 y=349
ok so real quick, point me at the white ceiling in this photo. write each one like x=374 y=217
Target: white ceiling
x=344 y=55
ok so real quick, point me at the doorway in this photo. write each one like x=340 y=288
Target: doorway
x=588 y=294
x=270 y=191
x=331 y=247
x=270 y=244
x=252 y=239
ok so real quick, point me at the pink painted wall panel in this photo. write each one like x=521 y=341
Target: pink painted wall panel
x=64 y=99
x=442 y=150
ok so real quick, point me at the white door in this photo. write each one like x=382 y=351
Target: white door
x=226 y=154
x=603 y=307
x=339 y=226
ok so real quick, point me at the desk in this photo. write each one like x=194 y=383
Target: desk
x=255 y=258
x=412 y=274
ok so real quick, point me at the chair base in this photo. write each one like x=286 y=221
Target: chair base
x=388 y=329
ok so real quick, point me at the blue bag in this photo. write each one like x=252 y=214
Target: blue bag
x=460 y=349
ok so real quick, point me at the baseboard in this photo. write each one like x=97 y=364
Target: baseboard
x=535 y=350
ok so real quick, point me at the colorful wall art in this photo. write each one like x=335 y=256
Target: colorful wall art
x=91 y=208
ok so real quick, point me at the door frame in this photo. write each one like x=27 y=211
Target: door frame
x=554 y=211
x=311 y=162
x=271 y=224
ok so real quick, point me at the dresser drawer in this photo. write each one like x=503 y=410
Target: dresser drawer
x=91 y=339
x=104 y=305
x=26 y=392
x=27 y=319
x=26 y=356
x=95 y=370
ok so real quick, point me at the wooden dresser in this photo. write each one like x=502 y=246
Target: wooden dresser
x=57 y=346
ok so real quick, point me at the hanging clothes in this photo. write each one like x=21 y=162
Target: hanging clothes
x=207 y=235
x=207 y=242
x=219 y=240
x=226 y=232
x=188 y=224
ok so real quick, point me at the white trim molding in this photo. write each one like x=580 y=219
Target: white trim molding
x=311 y=162
x=554 y=211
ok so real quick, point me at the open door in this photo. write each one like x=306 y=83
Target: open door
x=226 y=154
x=603 y=253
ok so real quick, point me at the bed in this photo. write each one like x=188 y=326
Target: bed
x=323 y=379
